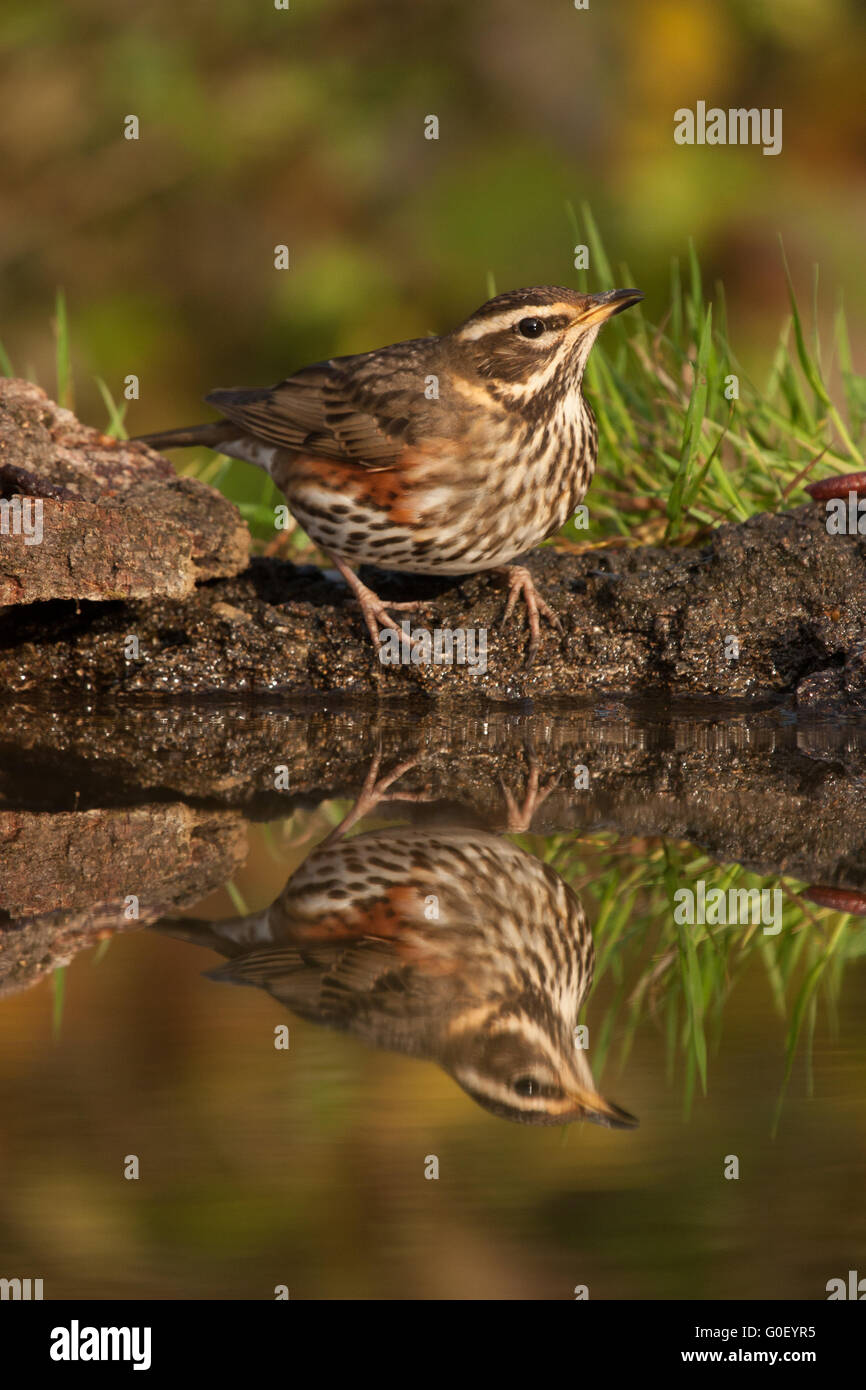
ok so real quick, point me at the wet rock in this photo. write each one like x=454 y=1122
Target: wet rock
x=83 y=516
x=840 y=686
x=68 y=880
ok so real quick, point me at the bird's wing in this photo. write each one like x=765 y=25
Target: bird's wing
x=355 y=409
x=331 y=983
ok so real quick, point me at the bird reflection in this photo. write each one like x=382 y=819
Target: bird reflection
x=446 y=944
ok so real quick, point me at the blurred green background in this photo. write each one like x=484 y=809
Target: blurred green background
x=306 y=127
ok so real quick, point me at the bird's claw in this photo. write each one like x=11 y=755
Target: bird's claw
x=520 y=582
x=374 y=610
x=520 y=816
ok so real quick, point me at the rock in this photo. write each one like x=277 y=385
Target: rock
x=67 y=880
x=83 y=516
x=753 y=613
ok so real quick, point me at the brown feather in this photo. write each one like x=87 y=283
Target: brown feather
x=348 y=408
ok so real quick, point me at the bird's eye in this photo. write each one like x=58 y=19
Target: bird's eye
x=531 y=328
x=526 y=1086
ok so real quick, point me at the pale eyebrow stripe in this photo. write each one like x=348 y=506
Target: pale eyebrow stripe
x=509 y=317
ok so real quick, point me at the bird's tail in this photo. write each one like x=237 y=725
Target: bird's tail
x=210 y=436
x=231 y=937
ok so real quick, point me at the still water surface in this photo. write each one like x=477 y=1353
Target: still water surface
x=341 y=1035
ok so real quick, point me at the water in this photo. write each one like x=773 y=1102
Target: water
x=430 y=1008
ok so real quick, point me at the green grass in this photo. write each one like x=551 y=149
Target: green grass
x=237 y=899
x=116 y=413
x=679 y=979
x=58 y=997
x=676 y=455
x=65 y=396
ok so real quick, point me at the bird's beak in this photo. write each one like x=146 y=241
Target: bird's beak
x=589 y=1105
x=601 y=307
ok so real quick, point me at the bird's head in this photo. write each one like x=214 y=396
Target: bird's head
x=514 y=1064
x=526 y=341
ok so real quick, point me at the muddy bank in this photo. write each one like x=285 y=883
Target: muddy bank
x=790 y=596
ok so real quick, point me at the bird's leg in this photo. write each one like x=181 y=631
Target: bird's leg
x=371 y=794
x=374 y=609
x=520 y=582
x=520 y=817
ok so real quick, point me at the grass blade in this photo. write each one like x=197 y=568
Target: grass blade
x=692 y=428
x=61 y=334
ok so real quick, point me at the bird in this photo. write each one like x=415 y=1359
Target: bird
x=447 y=455
x=441 y=942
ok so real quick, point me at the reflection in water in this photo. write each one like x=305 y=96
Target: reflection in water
x=450 y=945
x=444 y=942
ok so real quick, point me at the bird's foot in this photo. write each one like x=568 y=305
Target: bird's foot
x=520 y=815
x=373 y=791
x=374 y=610
x=520 y=582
